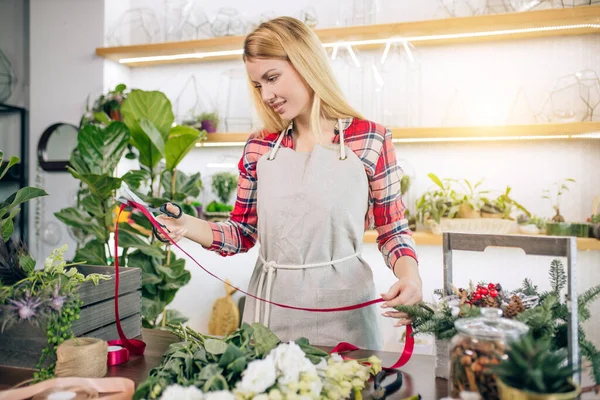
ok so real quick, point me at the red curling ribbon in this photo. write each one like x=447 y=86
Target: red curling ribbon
x=134 y=345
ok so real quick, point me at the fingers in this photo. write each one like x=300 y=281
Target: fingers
x=172 y=208
x=395 y=314
x=176 y=235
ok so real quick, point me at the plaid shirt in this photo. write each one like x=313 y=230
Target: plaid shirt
x=372 y=143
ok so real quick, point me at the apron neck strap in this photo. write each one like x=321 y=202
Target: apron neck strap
x=284 y=132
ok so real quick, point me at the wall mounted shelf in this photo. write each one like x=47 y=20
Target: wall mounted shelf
x=429 y=239
x=484 y=28
x=573 y=130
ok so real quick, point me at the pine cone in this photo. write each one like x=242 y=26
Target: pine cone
x=490 y=301
x=514 y=307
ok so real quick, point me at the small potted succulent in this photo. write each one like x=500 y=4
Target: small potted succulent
x=533 y=371
x=558 y=226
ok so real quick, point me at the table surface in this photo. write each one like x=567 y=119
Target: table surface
x=419 y=376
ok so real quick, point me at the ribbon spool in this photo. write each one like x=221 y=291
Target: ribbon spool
x=81 y=357
x=117 y=352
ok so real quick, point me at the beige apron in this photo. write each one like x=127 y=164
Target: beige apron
x=311 y=215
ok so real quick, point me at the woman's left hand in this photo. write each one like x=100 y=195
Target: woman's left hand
x=407 y=291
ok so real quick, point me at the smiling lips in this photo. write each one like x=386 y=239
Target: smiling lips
x=278 y=107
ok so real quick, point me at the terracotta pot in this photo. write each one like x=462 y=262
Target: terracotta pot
x=510 y=393
x=466 y=211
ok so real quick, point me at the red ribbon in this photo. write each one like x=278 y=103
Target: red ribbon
x=135 y=345
x=119 y=356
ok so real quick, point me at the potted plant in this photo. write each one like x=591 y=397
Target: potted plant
x=533 y=371
x=470 y=202
x=441 y=201
x=223 y=185
x=554 y=197
x=533 y=225
x=209 y=121
x=502 y=206
x=558 y=226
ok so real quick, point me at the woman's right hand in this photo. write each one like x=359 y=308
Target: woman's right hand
x=175 y=227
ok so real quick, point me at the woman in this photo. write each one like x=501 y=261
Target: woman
x=310 y=183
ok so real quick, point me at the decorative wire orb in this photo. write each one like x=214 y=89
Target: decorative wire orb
x=136 y=26
x=8 y=79
x=308 y=15
x=228 y=22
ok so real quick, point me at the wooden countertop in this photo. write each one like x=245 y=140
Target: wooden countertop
x=418 y=374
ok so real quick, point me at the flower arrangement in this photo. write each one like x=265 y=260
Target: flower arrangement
x=252 y=363
x=46 y=298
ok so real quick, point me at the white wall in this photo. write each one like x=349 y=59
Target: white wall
x=490 y=83
x=64 y=72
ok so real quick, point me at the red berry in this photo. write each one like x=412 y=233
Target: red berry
x=484 y=291
x=491 y=286
x=477 y=296
x=494 y=293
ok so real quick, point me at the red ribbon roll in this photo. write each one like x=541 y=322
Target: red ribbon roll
x=117 y=356
x=137 y=346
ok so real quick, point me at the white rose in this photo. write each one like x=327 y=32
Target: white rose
x=219 y=395
x=177 y=392
x=258 y=376
x=263 y=396
x=291 y=360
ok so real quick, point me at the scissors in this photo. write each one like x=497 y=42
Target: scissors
x=381 y=392
x=128 y=195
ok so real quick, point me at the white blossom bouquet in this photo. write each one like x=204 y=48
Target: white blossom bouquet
x=261 y=368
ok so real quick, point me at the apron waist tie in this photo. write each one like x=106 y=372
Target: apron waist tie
x=268 y=269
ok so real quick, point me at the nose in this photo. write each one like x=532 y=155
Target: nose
x=267 y=95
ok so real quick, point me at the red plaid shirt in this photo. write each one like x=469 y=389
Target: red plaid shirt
x=372 y=143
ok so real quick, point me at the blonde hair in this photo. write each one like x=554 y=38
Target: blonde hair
x=288 y=39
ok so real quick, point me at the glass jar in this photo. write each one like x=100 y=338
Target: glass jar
x=480 y=343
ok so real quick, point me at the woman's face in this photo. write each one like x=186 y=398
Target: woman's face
x=280 y=86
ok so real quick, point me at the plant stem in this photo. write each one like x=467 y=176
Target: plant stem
x=163 y=323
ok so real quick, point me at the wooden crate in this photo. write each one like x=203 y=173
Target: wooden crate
x=22 y=344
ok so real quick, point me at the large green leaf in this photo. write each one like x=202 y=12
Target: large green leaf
x=134 y=178
x=155 y=108
x=182 y=139
x=184 y=184
x=27 y=263
x=20 y=196
x=93 y=253
x=102 y=186
x=78 y=163
x=12 y=161
x=175 y=317
x=92 y=205
x=152 y=105
x=7 y=229
x=79 y=219
x=151 y=309
x=153 y=134
x=102 y=149
x=129 y=240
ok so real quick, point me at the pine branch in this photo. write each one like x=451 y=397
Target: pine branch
x=528 y=288
x=558 y=276
x=589 y=295
x=589 y=351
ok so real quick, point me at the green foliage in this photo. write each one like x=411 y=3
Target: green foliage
x=558 y=277
x=441 y=201
x=148 y=126
x=533 y=366
x=223 y=185
x=504 y=204
x=214 y=363
x=553 y=194
x=9 y=208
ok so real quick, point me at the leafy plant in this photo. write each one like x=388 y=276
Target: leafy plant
x=46 y=298
x=553 y=195
x=9 y=208
x=539 y=222
x=472 y=198
x=594 y=219
x=441 y=201
x=504 y=204
x=148 y=126
x=218 y=363
x=223 y=185
x=533 y=366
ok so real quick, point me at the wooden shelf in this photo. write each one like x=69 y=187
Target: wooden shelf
x=484 y=28
x=429 y=239
x=508 y=132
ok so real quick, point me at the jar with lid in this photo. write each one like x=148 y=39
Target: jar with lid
x=480 y=343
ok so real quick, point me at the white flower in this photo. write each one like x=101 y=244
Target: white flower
x=177 y=392
x=258 y=376
x=291 y=360
x=219 y=395
x=263 y=396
